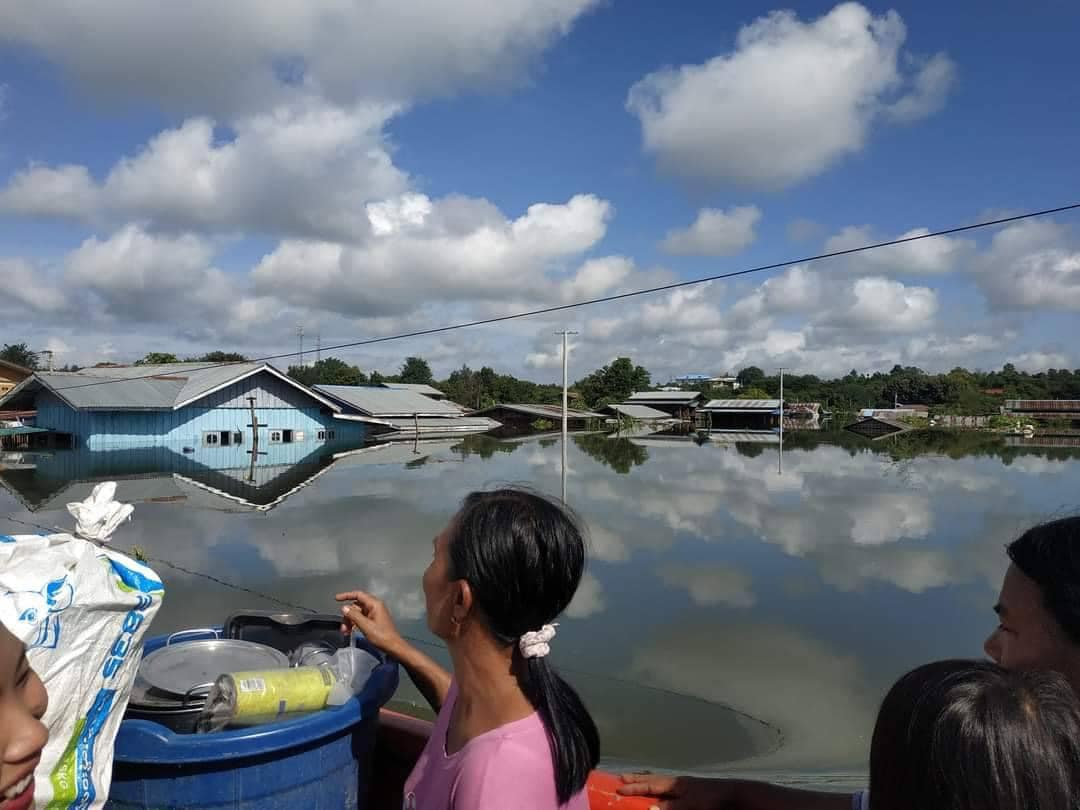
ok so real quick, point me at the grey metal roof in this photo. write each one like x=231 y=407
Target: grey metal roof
x=663 y=396
x=419 y=388
x=546 y=411
x=384 y=402
x=638 y=411
x=741 y=405
x=160 y=387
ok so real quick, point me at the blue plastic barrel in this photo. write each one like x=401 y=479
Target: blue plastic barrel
x=318 y=762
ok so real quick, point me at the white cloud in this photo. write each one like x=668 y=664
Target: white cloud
x=710 y=584
x=715 y=232
x=305 y=170
x=1034 y=264
x=28 y=286
x=443 y=250
x=1040 y=361
x=247 y=55
x=933 y=256
x=589 y=599
x=884 y=305
x=791 y=99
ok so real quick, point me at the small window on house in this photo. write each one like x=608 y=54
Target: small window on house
x=330 y=434
x=210 y=439
x=286 y=437
x=226 y=436
x=275 y=436
x=238 y=438
x=321 y=435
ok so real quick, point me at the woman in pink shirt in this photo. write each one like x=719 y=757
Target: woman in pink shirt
x=510 y=733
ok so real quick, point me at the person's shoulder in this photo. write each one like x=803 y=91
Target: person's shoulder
x=507 y=771
x=524 y=751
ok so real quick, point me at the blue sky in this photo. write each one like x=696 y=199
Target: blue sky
x=213 y=178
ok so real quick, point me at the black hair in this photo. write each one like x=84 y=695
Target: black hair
x=523 y=556
x=970 y=735
x=1049 y=554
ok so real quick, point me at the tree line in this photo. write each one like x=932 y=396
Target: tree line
x=959 y=391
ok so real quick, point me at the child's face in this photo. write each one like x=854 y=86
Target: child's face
x=22 y=734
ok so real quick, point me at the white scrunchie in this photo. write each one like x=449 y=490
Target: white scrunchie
x=534 y=644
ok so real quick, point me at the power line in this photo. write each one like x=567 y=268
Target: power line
x=632 y=294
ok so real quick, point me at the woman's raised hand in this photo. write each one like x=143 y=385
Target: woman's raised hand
x=372 y=618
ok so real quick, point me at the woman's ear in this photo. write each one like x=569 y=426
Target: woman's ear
x=463 y=602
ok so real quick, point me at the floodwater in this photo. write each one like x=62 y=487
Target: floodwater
x=735 y=616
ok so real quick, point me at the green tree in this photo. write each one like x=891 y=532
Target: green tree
x=19 y=354
x=329 y=371
x=157 y=359
x=750 y=376
x=613 y=383
x=375 y=378
x=756 y=393
x=416 y=371
x=221 y=357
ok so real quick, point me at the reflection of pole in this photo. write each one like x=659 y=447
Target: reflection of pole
x=564 y=334
x=254 y=439
x=780 y=456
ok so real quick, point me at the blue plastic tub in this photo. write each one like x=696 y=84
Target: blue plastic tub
x=318 y=762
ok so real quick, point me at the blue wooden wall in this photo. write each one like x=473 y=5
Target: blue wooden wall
x=278 y=407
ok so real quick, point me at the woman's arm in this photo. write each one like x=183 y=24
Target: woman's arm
x=372 y=618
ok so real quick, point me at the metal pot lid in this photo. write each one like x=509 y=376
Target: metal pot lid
x=177 y=669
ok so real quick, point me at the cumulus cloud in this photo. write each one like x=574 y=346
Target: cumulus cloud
x=589 y=599
x=788 y=101
x=1040 y=361
x=710 y=584
x=885 y=305
x=715 y=232
x=450 y=249
x=305 y=170
x=26 y=285
x=1034 y=264
x=933 y=256
x=242 y=56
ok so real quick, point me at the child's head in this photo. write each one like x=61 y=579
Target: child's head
x=970 y=735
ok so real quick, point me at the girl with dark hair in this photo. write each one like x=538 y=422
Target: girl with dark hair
x=22 y=734
x=510 y=732
x=970 y=735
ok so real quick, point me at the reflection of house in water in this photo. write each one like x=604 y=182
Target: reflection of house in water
x=221 y=478
x=877 y=427
x=521 y=418
x=182 y=405
x=1043 y=441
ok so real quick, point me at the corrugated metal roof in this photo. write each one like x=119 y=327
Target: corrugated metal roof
x=664 y=396
x=160 y=387
x=385 y=402
x=639 y=411
x=741 y=405
x=419 y=388
x=546 y=411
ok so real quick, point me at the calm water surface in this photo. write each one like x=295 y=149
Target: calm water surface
x=733 y=617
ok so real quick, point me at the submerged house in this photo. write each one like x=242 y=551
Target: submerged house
x=638 y=413
x=401 y=413
x=877 y=427
x=526 y=417
x=184 y=405
x=740 y=414
x=679 y=404
x=429 y=391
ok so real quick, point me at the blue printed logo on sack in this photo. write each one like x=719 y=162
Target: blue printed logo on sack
x=40 y=610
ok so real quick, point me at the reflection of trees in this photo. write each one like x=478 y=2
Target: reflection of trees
x=621 y=455
x=483 y=446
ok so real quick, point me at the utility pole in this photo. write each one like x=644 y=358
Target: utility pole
x=564 y=334
x=300 y=335
x=318 y=346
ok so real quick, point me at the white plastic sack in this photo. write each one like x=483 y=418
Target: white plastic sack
x=82 y=612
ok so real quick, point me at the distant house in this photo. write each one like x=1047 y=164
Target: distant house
x=899 y=412
x=1043 y=409
x=522 y=417
x=680 y=404
x=744 y=414
x=994 y=392
x=11 y=374
x=417 y=388
x=186 y=405
x=402 y=413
